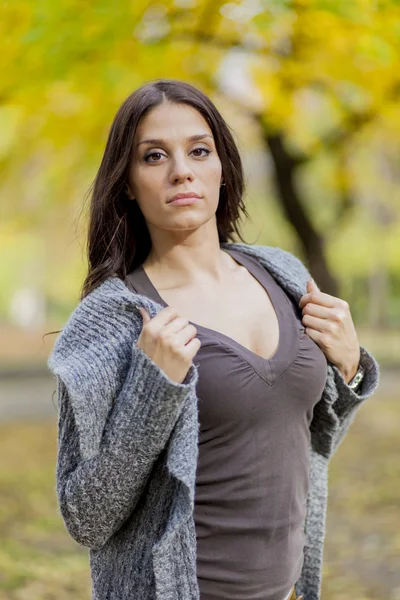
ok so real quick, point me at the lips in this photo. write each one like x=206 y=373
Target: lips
x=184 y=201
x=184 y=195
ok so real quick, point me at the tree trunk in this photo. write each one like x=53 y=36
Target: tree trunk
x=313 y=243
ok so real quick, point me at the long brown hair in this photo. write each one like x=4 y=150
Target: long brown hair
x=118 y=238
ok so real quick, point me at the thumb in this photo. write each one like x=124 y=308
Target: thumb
x=313 y=286
x=144 y=313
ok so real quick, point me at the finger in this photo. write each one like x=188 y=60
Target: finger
x=319 y=298
x=312 y=286
x=317 y=310
x=145 y=314
x=186 y=335
x=314 y=334
x=320 y=325
x=164 y=316
x=176 y=325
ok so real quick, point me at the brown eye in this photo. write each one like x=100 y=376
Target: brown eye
x=200 y=149
x=204 y=149
x=152 y=154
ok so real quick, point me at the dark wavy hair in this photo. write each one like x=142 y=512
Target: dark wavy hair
x=118 y=238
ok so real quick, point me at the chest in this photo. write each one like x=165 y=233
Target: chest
x=241 y=310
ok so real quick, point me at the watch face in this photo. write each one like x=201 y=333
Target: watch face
x=358 y=377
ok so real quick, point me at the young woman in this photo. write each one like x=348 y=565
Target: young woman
x=203 y=384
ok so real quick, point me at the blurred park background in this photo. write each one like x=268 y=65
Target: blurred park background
x=311 y=89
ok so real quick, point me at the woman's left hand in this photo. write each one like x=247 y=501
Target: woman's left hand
x=329 y=323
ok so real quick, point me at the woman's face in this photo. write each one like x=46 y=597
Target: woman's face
x=172 y=163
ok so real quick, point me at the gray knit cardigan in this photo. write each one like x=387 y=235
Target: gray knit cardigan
x=128 y=445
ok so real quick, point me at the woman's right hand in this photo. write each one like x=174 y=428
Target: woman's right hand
x=170 y=341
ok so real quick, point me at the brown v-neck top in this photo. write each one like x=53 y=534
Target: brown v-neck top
x=252 y=478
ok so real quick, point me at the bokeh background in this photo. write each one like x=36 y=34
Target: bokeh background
x=311 y=90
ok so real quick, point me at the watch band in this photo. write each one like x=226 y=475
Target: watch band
x=355 y=383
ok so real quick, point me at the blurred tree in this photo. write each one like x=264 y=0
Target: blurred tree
x=322 y=71
x=318 y=77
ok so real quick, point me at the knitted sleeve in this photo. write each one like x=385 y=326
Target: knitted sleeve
x=339 y=404
x=348 y=400
x=98 y=494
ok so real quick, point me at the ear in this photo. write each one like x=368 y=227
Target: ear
x=128 y=192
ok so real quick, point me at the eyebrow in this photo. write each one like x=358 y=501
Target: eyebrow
x=192 y=138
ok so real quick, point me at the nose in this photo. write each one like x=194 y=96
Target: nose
x=180 y=170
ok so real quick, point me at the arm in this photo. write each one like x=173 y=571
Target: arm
x=97 y=495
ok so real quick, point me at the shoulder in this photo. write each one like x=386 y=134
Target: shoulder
x=100 y=327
